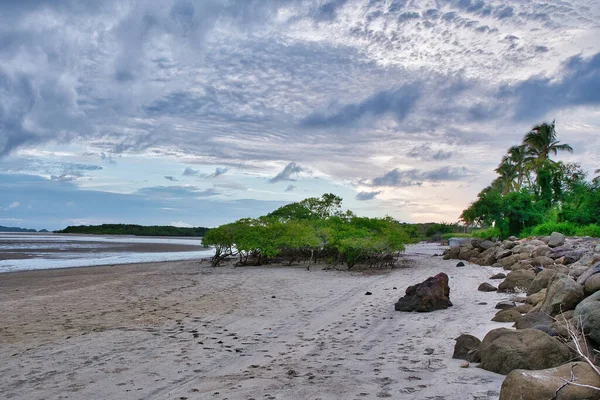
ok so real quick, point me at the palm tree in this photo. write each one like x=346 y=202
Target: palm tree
x=514 y=168
x=541 y=141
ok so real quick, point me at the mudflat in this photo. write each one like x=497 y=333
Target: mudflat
x=185 y=330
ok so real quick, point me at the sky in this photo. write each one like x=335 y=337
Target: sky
x=201 y=112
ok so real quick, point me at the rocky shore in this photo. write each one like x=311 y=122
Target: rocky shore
x=555 y=307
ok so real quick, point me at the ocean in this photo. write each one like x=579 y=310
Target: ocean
x=30 y=251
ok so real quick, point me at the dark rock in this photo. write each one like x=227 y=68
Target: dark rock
x=510 y=260
x=563 y=294
x=515 y=280
x=451 y=253
x=505 y=305
x=460 y=264
x=486 y=287
x=510 y=315
x=432 y=294
x=486 y=244
x=503 y=350
x=547 y=329
x=466 y=348
x=541 y=251
x=550 y=383
x=428 y=351
x=533 y=319
x=502 y=254
x=368 y=294
x=588 y=312
x=499 y=275
x=592 y=284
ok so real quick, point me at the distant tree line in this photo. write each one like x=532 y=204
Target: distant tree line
x=313 y=230
x=534 y=194
x=136 y=230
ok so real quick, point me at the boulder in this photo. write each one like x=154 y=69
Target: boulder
x=523 y=248
x=556 y=239
x=510 y=260
x=543 y=261
x=541 y=251
x=503 y=350
x=524 y=308
x=533 y=319
x=486 y=287
x=509 y=244
x=588 y=312
x=537 y=242
x=432 y=294
x=502 y=254
x=536 y=298
x=516 y=280
x=488 y=257
x=460 y=264
x=499 y=275
x=523 y=264
x=550 y=383
x=592 y=284
x=541 y=281
x=467 y=348
x=485 y=245
x=588 y=273
x=451 y=253
x=563 y=294
x=510 y=315
x=505 y=305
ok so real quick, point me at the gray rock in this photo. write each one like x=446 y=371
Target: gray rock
x=503 y=253
x=588 y=311
x=563 y=294
x=505 y=305
x=542 y=260
x=556 y=239
x=533 y=319
x=510 y=260
x=499 y=275
x=541 y=281
x=516 y=280
x=589 y=272
x=510 y=315
x=592 y=284
x=542 y=250
x=503 y=350
x=485 y=245
x=550 y=383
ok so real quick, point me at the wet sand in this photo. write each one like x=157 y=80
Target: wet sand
x=184 y=330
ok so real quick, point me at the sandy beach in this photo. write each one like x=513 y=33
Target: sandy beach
x=185 y=330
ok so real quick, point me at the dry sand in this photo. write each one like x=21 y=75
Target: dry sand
x=183 y=330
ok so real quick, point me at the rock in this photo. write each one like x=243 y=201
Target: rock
x=502 y=254
x=432 y=294
x=510 y=315
x=524 y=308
x=368 y=294
x=488 y=257
x=517 y=298
x=542 y=250
x=556 y=239
x=486 y=287
x=516 y=280
x=563 y=294
x=499 y=275
x=510 y=260
x=546 y=329
x=541 y=281
x=503 y=350
x=536 y=297
x=575 y=271
x=542 y=260
x=537 y=242
x=428 y=351
x=460 y=264
x=588 y=273
x=485 y=245
x=512 y=238
x=464 y=364
x=451 y=253
x=467 y=253
x=550 y=383
x=509 y=244
x=467 y=348
x=588 y=312
x=533 y=319
x=558 y=268
x=592 y=284
x=523 y=264
x=505 y=305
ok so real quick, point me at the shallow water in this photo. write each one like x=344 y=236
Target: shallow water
x=29 y=251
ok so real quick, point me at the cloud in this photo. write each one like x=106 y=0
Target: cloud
x=291 y=188
x=397 y=102
x=218 y=172
x=181 y=224
x=171 y=178
x=190 y=172
x=289 y=173
x=364 y=196
x=416 y=177
x=425 y=152
x=14 y=204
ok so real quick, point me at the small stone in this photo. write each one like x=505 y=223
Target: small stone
x=460 y=264
x=428 y=351
x=465 y=364
x=368 y=294
x=499 y=275
x=273 y=297
x=486 y=287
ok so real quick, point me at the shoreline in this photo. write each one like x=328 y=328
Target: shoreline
x=172 y=330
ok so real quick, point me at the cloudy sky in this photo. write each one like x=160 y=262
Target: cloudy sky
x=200 y=112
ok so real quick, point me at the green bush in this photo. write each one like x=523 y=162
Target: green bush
x=447 y=236
x=546 y=229
x=591 y=230
x=489 y=233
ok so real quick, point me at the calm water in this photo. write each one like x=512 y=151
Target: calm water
x=28 y=251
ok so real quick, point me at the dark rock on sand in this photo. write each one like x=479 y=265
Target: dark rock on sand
x=515 y=280
x=533 y=319
x=550 y=383
x=503 y=350
x=510 y=315
x=563 y=294
x=467 y=348
x=505 y=305
x=432 y=294
x=460 y=264
x=541 y=281
x=486 y=287
x=499 y=275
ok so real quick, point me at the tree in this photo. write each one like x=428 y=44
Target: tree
x=541 y=141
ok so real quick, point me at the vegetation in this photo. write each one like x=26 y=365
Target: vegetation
x=137 y=230
x=16 y=229
x=311 y=230
x=535 y=195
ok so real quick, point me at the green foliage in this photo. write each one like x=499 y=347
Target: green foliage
x=489 y=233
x=311 y=229
x=447 y=236
x=591 y=230
x=439 y=229
x=137 y=230
x=566 y=228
